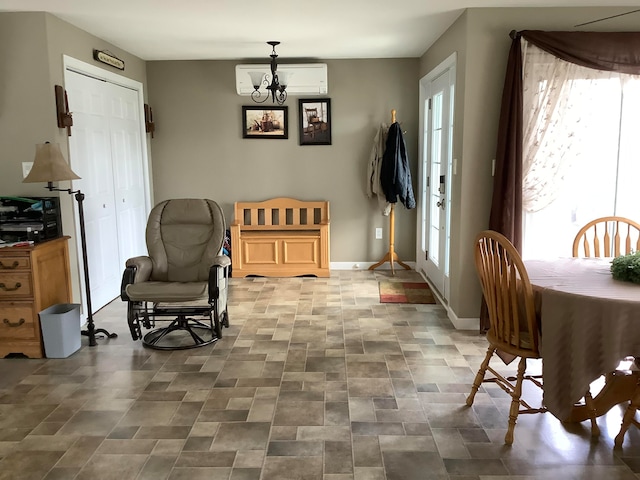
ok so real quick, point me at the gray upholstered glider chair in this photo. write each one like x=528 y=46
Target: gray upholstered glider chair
x=183 y=280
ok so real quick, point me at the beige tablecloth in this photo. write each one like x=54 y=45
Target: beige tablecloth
x=589 y=323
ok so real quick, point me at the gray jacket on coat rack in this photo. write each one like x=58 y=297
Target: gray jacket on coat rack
x=374 y=187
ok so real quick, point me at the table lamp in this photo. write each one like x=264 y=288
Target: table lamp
x=50 y=166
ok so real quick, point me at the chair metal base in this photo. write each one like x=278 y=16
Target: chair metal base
x=179 y=331
x=183 y=332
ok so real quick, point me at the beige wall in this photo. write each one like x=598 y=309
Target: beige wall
x=198 y=149
x=481 y=38
x=25 y=99
x=32 y=46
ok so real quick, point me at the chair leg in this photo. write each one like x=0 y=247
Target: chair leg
x=133 y=321
x=591 y=408
x=480 y=375
x=215 y=318
x=629 y=418
x=515 y=402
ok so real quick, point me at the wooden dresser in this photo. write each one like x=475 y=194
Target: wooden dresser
x=31 y=279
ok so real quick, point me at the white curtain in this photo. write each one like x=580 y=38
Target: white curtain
x=559 y=105
x=580 y=144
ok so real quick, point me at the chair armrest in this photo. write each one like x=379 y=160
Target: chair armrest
x=221 y=261
x=143 y=266
x=128 y=277
x=137 y=269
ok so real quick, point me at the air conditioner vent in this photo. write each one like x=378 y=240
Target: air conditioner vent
x=302 y=79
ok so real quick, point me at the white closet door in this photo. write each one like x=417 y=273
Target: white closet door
x=105 y=150
x=128 y=174
x=90 y=158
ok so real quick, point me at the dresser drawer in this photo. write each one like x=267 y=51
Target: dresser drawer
x=15 y=285
x=18 y=322
x=14 y=263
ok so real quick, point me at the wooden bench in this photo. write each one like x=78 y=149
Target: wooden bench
x=281 y=237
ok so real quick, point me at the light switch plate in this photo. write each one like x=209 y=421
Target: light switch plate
x=26 y=168
x=378 y=233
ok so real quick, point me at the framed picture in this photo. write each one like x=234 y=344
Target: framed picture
x=265 y=122
x=315 y=121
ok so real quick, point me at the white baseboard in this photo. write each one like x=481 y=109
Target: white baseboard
x=458 y=323
x=366 y=265
x=464 y=323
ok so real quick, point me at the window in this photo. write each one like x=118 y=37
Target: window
x=581 y=153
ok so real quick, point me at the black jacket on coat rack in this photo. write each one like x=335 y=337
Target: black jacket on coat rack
x=395 y=175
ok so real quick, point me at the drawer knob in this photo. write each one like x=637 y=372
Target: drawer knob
x=17 y=324
x=10 y=289
x=9 y=267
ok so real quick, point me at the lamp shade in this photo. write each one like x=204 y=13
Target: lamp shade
x=49 y=165
x=256 y=78
x=283 y=79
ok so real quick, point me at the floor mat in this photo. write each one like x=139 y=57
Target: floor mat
x=405 y=292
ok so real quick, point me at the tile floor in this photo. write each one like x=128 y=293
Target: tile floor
x=314 y=380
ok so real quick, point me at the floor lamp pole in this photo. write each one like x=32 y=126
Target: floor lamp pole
x=91 y=329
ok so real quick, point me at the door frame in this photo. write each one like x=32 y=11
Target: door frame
x=423 y=206
x=83 y=68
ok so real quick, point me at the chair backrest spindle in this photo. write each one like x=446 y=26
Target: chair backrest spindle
x=508 y=295
x=609 y=236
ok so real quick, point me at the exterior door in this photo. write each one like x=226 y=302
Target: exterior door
x=106 y=151
x=437 y=96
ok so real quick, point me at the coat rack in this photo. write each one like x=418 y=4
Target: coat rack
x=391 y=256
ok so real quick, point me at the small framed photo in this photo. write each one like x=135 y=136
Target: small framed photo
x=314 y=121
x=265 y=122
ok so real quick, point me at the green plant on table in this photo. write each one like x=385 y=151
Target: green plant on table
x=626 y=268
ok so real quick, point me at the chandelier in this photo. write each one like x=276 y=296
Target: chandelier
x=276 y=86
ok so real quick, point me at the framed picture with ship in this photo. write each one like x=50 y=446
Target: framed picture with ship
x=261 y=122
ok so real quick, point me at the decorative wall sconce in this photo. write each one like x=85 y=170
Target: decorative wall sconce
x=149 y=126
x=65 y=120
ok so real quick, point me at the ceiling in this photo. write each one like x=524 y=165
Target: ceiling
x=231 y=29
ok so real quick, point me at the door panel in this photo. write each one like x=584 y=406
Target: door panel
x=435 y=176
x=128 y=174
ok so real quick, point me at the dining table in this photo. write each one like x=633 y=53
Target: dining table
x=589 y=323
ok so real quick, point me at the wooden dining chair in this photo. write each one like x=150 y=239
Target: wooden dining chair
x=629 y=417
x=607 y=237
x=514 y=326
x=610 y=237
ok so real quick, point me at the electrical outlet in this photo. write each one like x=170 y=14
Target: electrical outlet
x=26 y=168
x=378 y=233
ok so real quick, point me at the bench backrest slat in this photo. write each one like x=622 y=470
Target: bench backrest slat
x=282 y=211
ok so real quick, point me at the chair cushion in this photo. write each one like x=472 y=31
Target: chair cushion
x=183 y=238
x=166 y=291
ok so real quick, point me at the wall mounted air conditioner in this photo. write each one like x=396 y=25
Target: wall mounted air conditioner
x=302 y=79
